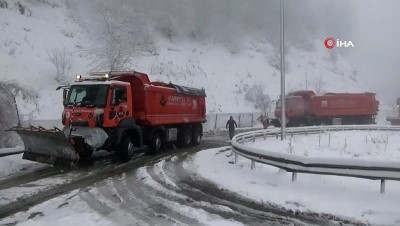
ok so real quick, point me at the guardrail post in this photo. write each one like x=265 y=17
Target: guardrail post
x=254 y=138
x=382 y=186
x=294 y=176
x=265 y=134
x=236 y=157
x=253 y=164
x=216 y=120
x=276 y=135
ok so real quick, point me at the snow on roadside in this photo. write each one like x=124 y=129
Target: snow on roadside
x=353 y=198
x=14 y=164
x=64 y=210
x=355 y=144
x=4 y=151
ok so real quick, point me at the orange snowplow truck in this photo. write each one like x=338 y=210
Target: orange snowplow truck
x=118 y=111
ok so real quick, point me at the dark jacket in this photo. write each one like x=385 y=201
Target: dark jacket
x=232 y=124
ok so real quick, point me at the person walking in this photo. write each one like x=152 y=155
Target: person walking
x=232 y=124
x=264 y=120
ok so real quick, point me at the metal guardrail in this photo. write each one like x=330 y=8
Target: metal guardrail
x=361 y=168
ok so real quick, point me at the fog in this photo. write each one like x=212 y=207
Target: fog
x=376 y=55
x=371 y=25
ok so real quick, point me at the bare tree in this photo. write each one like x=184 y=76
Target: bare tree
x=121 y=38
x=319 y=85
x=256 y=95
x=62 y=62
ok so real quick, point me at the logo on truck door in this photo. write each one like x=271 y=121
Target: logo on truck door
x=178 y=101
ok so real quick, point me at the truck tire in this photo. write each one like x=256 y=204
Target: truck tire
x=127 y=149
x=86 y=154
x=156 y=143
x=185 y=137
x=196 y=137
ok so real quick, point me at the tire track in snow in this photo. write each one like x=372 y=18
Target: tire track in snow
x=181 y=203
x=145 y=193
x=161 y=177
x=246 y=211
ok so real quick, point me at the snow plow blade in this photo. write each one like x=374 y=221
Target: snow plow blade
x=47 y=146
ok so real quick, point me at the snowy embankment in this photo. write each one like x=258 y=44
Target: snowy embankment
x=13 y=165
x=10 y=151
x=357 y=199
x=368 y=145
x=226 y=74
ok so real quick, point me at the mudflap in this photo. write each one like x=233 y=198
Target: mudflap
x=47 y=146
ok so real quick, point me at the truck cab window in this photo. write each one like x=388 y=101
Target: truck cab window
x=87 y=95
x=119 y=95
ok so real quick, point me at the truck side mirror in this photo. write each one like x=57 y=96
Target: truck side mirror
x=65 y=93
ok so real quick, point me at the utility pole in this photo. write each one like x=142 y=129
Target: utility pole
x=306 y=78
x=283 y=107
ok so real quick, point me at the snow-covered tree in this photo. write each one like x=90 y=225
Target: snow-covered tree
x=8 y=109
x=120 y=35
x=256 y=95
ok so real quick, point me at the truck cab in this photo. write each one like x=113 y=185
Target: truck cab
x=97 y=104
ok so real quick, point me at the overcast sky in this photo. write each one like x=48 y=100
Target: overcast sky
x=372 y=25
x=376 y=55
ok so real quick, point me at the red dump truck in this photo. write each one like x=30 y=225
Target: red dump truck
x=305 y=108
x=118 y=111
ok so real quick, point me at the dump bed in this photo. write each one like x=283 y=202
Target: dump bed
x=343 y=104
x=157 y=103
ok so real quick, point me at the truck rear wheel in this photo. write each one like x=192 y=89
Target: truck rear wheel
x=127 y=149
x=196 y=138
x=185 y=137
x=156 y=143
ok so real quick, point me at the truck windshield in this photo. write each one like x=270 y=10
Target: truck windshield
x=87 y=95
x=289 y=101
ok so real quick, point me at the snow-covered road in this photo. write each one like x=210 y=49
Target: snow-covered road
x=163 y=190
x=161 y=193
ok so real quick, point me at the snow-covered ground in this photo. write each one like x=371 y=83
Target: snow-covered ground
x=54 y=212
x=376 y=145
x=5 y=151
x=13 y=165
x=353 y=198
x=133 y=198
x=348 y=198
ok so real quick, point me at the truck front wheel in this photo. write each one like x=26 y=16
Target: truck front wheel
x=127 y=148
